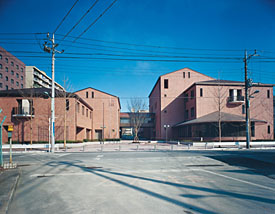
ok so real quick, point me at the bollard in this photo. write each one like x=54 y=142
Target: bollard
x=188 y=146
x=178 y=143
x=171 y=147
x=101 y=148
x=205 y=145
x=137 y=147
x=155 y=147
x=119 y=147
x=83 y=148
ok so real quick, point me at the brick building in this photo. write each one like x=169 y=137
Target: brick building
x=106 y=112
x=12 y=71
x=29 y=110
x=190 y=105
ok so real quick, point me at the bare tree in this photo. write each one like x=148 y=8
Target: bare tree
x=136 y=106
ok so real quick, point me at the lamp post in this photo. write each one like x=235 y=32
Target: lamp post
x=166 y=127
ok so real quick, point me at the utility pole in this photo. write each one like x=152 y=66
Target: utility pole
x=248 y=84
x=52 y=50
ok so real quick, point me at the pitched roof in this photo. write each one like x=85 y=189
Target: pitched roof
x=214 y=117
x=101 y=92
x=175 y=72
x=229 y=82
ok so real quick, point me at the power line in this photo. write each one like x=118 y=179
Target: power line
x=79 y=20
x=95 y=20
x=65 y=16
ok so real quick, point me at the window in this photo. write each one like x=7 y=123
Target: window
x=268 y=129
x=0 y=66
x=93 y=94
x=12 y=64
x=12 y=81
x=12 y=72
x=22 y=86
x=188 y=74
x=17 y=75
x=252 y=129
x=183 y=74
x=78 y=107
x=0 y=56
x=17 y=67
x=87 y=94
x=1 y=85
x=1 y=76
x=22 y=70
x=192 y=112
x=165 y=83
x=243 y=109
x=186 y=114
x=17 y=83
x=22 y=78
x=7 y=79
x=268 y=93
x=87 y=112
x=67 y=104
x=186 y=97
x=83 y=110
x=201 y=92
x=7 y=87
x=7 y=60
x=192 y=94
x=7 y=69
x=90 y=115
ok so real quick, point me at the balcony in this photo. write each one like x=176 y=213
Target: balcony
x=235 y=99
x=23 y=112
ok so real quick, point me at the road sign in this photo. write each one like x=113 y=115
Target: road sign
x=10 y=128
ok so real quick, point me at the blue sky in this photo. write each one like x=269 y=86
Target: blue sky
x=194 y=28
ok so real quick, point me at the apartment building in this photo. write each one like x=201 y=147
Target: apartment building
x=165 y=99
x=29 y=111
x=36 y=78
x=211 y=109
x=12 y=71
x=106 y=112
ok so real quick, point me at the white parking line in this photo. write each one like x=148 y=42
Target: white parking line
x=236 y=179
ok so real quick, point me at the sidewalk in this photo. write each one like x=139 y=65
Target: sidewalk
x=8 y=182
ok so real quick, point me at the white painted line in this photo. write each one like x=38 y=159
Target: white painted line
x=236 y=179
x=99 y=156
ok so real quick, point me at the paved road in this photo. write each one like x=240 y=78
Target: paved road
x=146 y=182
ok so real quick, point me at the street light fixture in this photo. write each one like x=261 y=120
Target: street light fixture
x=166 y=127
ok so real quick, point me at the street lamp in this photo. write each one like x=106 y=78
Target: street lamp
x=166 y=127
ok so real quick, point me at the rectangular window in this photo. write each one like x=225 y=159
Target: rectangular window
x=1 y=85
x=243 y=109
x=7 y=87
x=1 y=76
x=93 y=95
x=83 y=110
x=186 y=97
x=7 y=69
x=165 y=83
x=17 y=83
x=7 y=60
x=268 y=129
x=87 y=94
x=268 y=93
x=192 y=112
x=87 y=113
x=12 y=64
x=22 y=78
x=12 y=72
x=90 y=115
x=188 y=74
x=22 y=86
x=22 y=70
x=252 y=129
x=201 y=92
x=67 y=104
x=0 y=66
x=186 y=114
x=192 y=94
x=17 y=67
x=12 y=81
x=78 y=107
x=0 y=56
x=183 y=74
x=17 y=75
x=7 y=79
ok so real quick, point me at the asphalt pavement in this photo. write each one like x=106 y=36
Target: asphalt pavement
x=145 y=182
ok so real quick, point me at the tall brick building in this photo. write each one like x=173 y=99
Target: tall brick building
x=12 y=71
